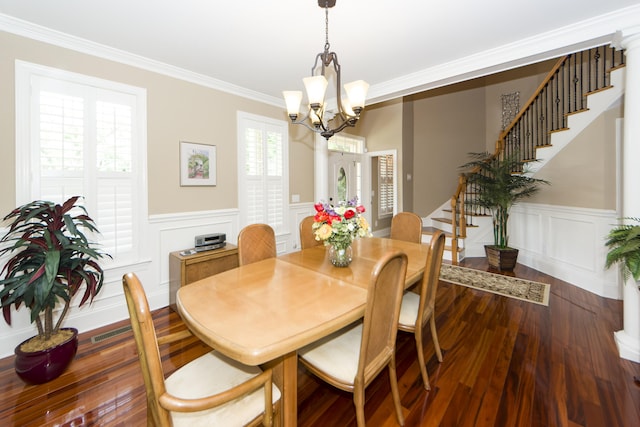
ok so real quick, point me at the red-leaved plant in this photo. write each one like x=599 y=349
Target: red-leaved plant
x=52 y=259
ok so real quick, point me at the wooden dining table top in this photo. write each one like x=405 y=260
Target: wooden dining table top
x=260 y=311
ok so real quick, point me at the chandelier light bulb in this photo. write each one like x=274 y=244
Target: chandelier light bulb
x=292 y=98
x=316 y=87
x=357 y=94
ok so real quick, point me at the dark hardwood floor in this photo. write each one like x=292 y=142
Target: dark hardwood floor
x=506 y=363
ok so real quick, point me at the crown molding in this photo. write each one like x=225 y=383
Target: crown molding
x=37 y=32
x=572 y=38
x=582 y=35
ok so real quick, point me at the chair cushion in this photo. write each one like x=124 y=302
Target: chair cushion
x=336 y=354
x=409 y=309
x=210 y=374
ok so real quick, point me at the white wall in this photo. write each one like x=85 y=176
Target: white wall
x=564 y=242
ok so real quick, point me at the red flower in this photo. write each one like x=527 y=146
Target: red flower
x=349 y=213
x=318 y=207
x=360 y=209
x=322 y=216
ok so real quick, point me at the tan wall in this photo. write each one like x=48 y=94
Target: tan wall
x=177 y=110
x=524 y=80
x=583 y=174
x=448 y=124
x=381 y=124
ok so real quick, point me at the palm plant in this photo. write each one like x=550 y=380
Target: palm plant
x=499 y=182
x=624 y=249
x=52 y=259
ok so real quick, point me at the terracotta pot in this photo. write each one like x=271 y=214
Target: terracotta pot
x=45 y=365
x=501 y=258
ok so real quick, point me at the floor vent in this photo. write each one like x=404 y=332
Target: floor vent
x=101 y=337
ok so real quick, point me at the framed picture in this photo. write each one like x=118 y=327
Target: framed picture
x=197 y=164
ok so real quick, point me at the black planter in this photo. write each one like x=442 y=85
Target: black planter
x=45 y=365
x=501 y=258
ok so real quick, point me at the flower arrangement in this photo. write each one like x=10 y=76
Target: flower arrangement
x=337 y=226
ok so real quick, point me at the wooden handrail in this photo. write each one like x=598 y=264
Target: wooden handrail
x=533 y=97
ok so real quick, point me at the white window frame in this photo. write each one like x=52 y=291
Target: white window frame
x=346 y=143
x=283 y=127
x=25 y=72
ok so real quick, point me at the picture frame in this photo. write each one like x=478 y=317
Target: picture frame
x=197 y=164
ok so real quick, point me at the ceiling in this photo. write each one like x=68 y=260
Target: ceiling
x=262 y=47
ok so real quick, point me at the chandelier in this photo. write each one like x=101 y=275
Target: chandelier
x=347 y=113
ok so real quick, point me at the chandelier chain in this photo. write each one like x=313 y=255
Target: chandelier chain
x=326 y=26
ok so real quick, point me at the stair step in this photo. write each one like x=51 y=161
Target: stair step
x=599 y=90
x=558 y=130
x=468 y=213
x=428 y=231
x=448 y=220
x=445 y=220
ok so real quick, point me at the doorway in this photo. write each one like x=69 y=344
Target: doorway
x=345 y=176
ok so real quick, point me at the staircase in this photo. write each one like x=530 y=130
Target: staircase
x=579 y=88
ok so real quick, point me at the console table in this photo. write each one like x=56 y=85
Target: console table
x=186 y=269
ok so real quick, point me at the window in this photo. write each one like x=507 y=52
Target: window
x=79 y=135
x=263 y=177
x=385 y=185
x=346 y=143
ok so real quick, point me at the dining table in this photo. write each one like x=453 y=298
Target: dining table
x=261 y=313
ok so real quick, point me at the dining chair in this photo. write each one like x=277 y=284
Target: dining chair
x=351 y=358
x=255 y=243
x=418 y=308
x=307 y=236
x=406 y=226
x=211 y=390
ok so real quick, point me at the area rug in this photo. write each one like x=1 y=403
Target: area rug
x=507 y=286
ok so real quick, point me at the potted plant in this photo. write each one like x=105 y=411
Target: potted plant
x=497 y=186
x=51 y=260
x=623 y=242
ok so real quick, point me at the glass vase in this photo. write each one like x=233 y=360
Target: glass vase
x=340 y=256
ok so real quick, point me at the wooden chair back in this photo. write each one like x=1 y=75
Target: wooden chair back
x=307 y=236
x=406 y=226
x=352 y=357
x=431 y=277
x=255 y=243
x=147 y=344
x=160 y=402
x=380 y=322
x=416 y=310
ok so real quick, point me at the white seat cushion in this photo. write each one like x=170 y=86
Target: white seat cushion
x=210 y=374
x=336 y=354
x=409 y=309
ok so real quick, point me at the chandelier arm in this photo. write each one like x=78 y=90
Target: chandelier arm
x=303 y=121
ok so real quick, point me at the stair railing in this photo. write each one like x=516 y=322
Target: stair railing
x=563 y=91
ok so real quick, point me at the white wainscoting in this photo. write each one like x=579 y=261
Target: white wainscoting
x=565 y=242
x=167 y=233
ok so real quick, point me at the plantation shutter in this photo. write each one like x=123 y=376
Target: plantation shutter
x=263 y=177
x=83 y=143
x=385 y=185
